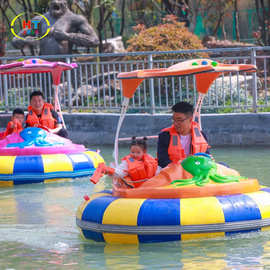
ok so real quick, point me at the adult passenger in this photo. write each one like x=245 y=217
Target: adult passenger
x=181 y=139
x=41 y=114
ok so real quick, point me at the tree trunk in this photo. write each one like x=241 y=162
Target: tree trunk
x=100 y=25
x=268 y=32
x=91 y=7
x=25 y=10
x=2 y=39
x=236 y=18
x=224 y=30
x=5 y=17
x=123 y=17
x=263 y=22
x=194 y=11
x=111 y=27
x=220 y=19
x=30 y=6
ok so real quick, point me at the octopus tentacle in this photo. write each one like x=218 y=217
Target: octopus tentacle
x=183 y=182
x=224 y=179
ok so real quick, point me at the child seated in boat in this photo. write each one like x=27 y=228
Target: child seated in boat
x=136 y=167
x=15 y=124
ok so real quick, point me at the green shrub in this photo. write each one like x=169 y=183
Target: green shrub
x=169 y=36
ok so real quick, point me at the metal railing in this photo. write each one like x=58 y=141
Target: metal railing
x=94 y=87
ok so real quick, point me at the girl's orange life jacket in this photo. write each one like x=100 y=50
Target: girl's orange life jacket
x=198 y=143
x=45 y=120
x=141 y=169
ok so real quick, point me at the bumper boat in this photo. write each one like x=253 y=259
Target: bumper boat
x=35 y=155
x=192 y=199
x=213 y=204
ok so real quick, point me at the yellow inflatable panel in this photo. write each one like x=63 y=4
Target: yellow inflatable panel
x=60 y=162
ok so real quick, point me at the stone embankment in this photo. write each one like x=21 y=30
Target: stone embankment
x=221 y=129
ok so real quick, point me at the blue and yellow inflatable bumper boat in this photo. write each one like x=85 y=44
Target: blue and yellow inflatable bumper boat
x=35 y=156
x=207 y=205
x=15 y=170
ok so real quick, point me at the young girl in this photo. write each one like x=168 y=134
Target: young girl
x=136 y=167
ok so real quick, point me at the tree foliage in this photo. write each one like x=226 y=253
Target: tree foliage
x=116 y=17
x=214 y=14
x=263 y=13
x=168 y=36
x=179 y=8
x=99 y=14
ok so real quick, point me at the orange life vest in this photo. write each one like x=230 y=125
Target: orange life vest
x=198 y=143
x=141 y=169
x=12 y=127
x=45 y=120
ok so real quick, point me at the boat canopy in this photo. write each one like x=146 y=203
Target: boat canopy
x=40 y=66
x=205 y=71
x=37 y=66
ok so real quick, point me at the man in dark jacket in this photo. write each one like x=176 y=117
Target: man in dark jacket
x=183 y=138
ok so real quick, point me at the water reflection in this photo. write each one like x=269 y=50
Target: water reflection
x=8 y=207
x=230 y=253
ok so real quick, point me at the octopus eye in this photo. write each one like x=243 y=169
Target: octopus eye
x=197 y=163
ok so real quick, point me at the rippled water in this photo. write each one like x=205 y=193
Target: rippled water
x=38 y=230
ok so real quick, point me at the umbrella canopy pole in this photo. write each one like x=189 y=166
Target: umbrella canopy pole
x=120 y=121
x=57 y=105
x=197 y=111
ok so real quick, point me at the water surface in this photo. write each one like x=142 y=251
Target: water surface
x=38 y=229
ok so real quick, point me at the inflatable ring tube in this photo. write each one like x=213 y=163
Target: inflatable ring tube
x=28 y=169
x=105 y=218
